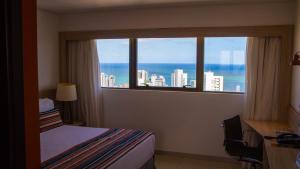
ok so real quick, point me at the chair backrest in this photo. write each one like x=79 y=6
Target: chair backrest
x=233 y=128
x=233 y=134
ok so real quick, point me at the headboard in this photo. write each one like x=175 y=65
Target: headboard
x=294 y=119
x=47 y=93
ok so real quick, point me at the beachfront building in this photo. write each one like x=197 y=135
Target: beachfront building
x=107 y=80
x=178 y=78
x=193 y=83
x=142 y=77
x=158 y=81
x=212 y=82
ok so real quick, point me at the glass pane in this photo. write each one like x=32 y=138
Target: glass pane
x=224 y=64
x=114 y=62
x=167 y=62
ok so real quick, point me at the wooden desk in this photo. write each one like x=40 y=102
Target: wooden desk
x=277 y=157
x=267 y=128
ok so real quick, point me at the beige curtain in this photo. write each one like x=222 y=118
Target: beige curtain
x=266 y=67
x=262 y=78
x=82 y=68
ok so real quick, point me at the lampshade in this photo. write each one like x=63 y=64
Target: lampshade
x=66 y=92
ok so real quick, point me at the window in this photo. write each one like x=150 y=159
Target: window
x=166 y=62
x=213 y=64
x=114 y=62
x=224 y=64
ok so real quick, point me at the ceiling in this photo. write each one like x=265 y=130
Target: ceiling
x=69 y=6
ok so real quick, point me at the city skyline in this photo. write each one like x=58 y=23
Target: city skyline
x=179 y=79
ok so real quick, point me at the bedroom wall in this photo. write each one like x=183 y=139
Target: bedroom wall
x=48 y=49
x=195 y=16
x=294 y=114
x=184 y=122
x=295 y=101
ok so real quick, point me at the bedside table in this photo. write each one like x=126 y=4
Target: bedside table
x=75 y=123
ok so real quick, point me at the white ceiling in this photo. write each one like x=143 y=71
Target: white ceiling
x=69 y=6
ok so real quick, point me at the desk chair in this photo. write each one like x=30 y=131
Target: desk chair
x=236 y=147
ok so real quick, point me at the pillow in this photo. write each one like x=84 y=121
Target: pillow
x=46 y=104
x=49 y=120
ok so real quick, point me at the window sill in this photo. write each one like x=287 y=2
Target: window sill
x=173 y=89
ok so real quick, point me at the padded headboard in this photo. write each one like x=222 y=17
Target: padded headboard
x=48 y=93
x=294 y=119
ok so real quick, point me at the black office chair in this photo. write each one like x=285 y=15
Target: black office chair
x=235 y=146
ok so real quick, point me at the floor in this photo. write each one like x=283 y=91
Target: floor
x=172 y=162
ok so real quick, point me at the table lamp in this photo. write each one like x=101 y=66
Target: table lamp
x=66 y=92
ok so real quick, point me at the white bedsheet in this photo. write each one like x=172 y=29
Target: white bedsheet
x=59 y=139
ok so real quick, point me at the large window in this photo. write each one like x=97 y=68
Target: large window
x=166 y=62
x=213 y=64
x=224 y=64
x=114 y=62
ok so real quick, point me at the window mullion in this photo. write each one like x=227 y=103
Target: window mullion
x=200 y=64
x=133 y=63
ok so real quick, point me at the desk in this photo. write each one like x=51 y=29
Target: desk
x=277 y=157
x=267 y=128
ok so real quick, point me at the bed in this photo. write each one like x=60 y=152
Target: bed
x=67 y=146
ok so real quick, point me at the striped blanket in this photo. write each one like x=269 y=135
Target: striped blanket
x=100 y=151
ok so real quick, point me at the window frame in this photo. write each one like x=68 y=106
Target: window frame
x=203 y=57
x=134 y=71
x=133 y=64
x=129 y=61
x=283 y=31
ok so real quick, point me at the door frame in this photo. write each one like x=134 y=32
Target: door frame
x=20 y=82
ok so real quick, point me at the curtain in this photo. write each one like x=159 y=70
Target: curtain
x=262 y=78
x=82 y=68
x=266 y=68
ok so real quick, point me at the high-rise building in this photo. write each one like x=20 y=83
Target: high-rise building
x=142 y=77
x=238 y=88
x=178 y=78
x=107 y=80
x=153 y=77
x=157 y=81
x=125 y=85
x=103 y=81
x=212 y=82
x=160 y=81
x=193 y=83
x=111 y=81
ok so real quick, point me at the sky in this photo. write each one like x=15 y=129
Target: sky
x=223 y=50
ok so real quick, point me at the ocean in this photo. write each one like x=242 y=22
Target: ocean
x=233 y=74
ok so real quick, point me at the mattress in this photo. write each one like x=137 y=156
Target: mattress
x=55 y=141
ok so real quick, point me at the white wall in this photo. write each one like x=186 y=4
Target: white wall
x=187 y=122
x=196 y=16
x=48 y=50
x=296 y=69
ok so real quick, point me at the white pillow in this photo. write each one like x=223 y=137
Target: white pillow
x=46 y=104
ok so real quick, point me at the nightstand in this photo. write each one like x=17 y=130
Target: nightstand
x=75 y=123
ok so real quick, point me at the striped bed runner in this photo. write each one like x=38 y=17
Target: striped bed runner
x=100 y=151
